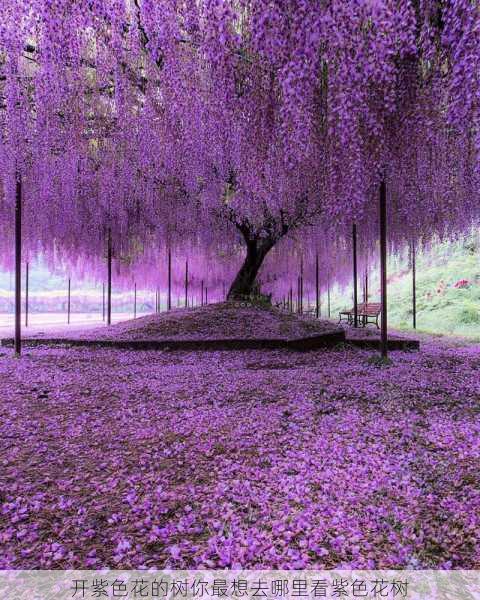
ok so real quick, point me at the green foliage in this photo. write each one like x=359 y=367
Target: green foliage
x=441 y=307
x=470 y=314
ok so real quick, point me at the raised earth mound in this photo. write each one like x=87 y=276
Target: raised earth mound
x=223 y=326
x=216 y=321
x=226 y=326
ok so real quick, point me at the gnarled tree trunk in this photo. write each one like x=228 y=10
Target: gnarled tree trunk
x=243 y=285
x=259 y=240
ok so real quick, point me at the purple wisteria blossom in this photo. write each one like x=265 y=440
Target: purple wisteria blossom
x=228 y=459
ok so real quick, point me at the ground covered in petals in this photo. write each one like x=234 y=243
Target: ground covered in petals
x=214 y=321
x=228 y=459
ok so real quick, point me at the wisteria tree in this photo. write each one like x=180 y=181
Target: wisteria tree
x=158 y=119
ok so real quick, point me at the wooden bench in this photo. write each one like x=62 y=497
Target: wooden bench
x=346 y=315
x=370 y=310
x=365 y=311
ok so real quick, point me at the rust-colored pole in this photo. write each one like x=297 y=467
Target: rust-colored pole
x=186 y=284
x=301 y=286
x=383 y=266
x=26 y=293
x=355 y=276
x=109 y=278
x=328 y=295
x=68 y=301
x=414 y=284
x=169 y=298
x=298 y=294
x=135 y=300
x=18 y=266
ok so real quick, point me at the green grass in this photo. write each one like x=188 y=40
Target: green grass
x=441 y=308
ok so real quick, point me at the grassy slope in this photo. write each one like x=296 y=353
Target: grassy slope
x=449 y=310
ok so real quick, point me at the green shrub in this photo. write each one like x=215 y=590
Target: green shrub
x=469 y=314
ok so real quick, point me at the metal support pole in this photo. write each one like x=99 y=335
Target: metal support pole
x=355 y=276
x=328 y=295
x=109 y=278
x=135 y=300
x=206 y=295
x=169 y=297
x=201 y=286
x=103 y=302
x=186 y=284
x=298 y=294
x=414 y=286
x=383 y=265
x=301 y=286
x=26 y=293
x=68 y=301
x=317 y=288
x=18 y=265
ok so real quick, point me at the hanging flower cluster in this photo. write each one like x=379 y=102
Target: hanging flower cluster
x=163 y=123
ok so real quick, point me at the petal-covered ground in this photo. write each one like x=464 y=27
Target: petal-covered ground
x=227 y=320
x=252 y=459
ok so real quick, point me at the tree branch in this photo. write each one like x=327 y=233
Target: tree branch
x=144 y=37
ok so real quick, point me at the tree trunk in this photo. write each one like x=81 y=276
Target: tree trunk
x=243 y=285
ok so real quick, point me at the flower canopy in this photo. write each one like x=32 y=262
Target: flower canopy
x=174 y=123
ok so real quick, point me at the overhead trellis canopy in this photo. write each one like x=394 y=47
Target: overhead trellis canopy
x=218 y=124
